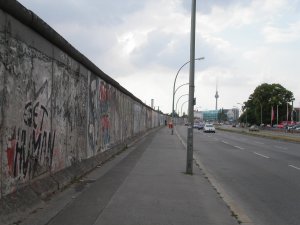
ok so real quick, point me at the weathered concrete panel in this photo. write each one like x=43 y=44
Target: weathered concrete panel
x=60 y=93
x=99 y=115
x=2 y=99
x=27 y=133
x=2 y=70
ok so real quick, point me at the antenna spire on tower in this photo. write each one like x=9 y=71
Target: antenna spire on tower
x=217 y=95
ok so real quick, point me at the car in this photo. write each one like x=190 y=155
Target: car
x=281 y=126
x=199 y=126
x=290 y=127
x=195 y=125
x=209 y=128
x=253 y=128
x=293 y=127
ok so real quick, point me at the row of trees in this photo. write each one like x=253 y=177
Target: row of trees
x=258 y=108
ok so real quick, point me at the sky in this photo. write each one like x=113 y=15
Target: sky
x=142 y=45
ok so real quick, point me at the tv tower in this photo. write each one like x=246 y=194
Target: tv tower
x=217 y=96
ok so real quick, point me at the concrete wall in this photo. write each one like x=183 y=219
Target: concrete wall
x=56 y=107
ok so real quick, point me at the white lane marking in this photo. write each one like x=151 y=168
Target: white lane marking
x=257 y=142
x=239 y=147
x=225 y=142
x=280 y=147
x=295 y=167
x=267 y=157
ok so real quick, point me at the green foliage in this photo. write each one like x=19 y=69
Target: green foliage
x=175 y=114
x=259 y=105
x=222 y=116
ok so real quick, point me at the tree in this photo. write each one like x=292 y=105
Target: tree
x=265 y=97
x=222 y=117
x=175 y=114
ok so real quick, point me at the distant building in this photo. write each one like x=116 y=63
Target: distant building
x=206 y=116
x=198 y=115
x=232 y=115
x=210 y=115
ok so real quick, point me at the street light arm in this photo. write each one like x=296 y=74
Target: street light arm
x=179 y=99
x=201 y=58
x=180 y=87
x=182 y=105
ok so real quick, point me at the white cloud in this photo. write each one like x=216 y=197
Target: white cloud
x=275 y=34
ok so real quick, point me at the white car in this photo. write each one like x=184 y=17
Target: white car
x=209 y=128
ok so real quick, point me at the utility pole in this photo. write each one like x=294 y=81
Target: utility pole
x=189 y=161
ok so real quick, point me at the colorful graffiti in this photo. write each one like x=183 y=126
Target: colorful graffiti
x=99 y=115
x=30 y=148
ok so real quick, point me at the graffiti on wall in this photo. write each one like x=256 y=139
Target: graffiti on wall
x=104 y=98
x=99 y=116
x=30 y=147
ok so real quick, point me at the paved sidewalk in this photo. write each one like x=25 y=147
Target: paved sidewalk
x=148 y=186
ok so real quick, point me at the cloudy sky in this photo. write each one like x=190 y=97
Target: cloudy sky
x=142 y=44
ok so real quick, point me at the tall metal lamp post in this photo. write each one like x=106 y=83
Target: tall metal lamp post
x=190 y=141
x=182 y=105
x=244 y=109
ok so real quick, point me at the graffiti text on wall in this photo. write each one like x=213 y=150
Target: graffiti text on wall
x=30 y=147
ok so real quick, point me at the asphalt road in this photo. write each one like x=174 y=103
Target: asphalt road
x=261 y=176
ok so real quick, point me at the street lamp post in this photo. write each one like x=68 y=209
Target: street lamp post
x=182 y=105
x=260 y=113
x=234 y=109
x=176 y=107
x=174 y=91
x=189 y=158
x=244 y=107
x=179 y=99
x=287 y=113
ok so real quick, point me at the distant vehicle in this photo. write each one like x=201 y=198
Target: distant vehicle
x=254 y=128
x=294 y=127
x=199 y=126
x=209 y=128
x=195 y=125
